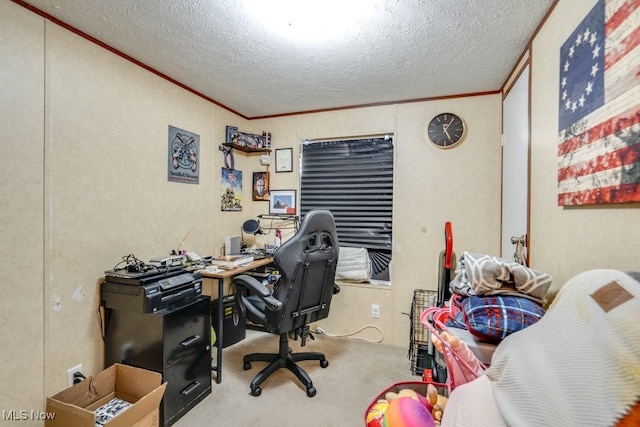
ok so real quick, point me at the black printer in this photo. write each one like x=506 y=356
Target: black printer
x=152 y=290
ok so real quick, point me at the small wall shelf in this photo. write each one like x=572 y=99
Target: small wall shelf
x=246 y=149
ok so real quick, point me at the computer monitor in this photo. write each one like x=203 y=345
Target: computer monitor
x=232 y=245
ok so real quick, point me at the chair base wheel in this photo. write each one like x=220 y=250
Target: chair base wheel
x=311 y=391
x=257 y=391
x=324 y=363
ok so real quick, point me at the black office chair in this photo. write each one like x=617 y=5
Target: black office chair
x=307 y=265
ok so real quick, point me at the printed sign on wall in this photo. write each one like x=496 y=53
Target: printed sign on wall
x=184 y=156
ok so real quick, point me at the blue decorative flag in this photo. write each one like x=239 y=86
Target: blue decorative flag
x=582 y=69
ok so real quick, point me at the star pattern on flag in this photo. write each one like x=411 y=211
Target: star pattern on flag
x=585 y=43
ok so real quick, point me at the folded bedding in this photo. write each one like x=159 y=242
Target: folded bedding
x=494 y=297
x=482 y=274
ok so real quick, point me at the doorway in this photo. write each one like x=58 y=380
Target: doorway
x=515 y=166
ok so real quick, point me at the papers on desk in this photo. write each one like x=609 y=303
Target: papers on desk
x=231 y=261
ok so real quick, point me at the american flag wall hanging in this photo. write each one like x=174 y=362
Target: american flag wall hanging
x=599 y=107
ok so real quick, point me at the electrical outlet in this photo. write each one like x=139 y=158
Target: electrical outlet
x=71 y=373
x=375 y=311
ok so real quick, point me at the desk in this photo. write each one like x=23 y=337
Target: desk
x=221 y=275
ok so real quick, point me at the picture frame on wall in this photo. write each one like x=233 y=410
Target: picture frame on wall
x=284 y=160
x=231 y=134
x=260 y=189
x=282 y=202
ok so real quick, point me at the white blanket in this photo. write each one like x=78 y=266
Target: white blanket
x=579 y=365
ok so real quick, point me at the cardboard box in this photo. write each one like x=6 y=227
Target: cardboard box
x=75 y=406
x=151 y=420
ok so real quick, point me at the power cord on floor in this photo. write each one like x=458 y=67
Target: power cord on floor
x=321 y=331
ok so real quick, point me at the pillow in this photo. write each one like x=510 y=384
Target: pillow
x=493 y=318
x=353 y=265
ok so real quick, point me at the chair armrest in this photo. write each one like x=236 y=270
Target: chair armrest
x=258 y=289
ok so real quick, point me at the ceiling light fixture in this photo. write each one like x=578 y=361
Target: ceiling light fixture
x=312 y=19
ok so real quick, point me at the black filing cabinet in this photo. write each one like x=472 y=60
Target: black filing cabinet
x=175 y=342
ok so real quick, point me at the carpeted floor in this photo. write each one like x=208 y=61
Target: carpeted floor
x=358 y=371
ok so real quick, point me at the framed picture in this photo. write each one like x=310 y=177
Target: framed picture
x=282 y=202
x=260 y=186
x=284 y=160
x=232 y=134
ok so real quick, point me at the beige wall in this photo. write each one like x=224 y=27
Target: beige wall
x=432 y=186
x=566 y=241
x=22 y=212
x=106 y=189
x=85 y=133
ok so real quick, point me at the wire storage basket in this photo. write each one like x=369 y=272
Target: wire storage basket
x=421 y=351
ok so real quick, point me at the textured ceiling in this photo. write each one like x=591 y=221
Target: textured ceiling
x=394 y=51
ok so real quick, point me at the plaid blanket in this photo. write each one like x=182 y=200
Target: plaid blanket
x=493 y=318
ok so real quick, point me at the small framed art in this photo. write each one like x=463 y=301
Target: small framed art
x=282 y=202
x=261 y=186
x=284 y=160
x=232 y=134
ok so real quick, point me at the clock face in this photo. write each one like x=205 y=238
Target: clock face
x=446 y=130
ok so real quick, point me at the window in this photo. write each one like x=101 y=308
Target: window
x=354 y=179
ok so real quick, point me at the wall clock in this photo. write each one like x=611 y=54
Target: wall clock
x=446 y=130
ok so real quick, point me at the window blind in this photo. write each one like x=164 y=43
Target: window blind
x=353 y=179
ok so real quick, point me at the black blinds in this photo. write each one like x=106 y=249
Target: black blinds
x=354 y=179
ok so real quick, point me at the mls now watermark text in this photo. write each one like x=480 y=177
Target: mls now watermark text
x=23 y=415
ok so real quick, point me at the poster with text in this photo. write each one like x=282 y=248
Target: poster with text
x=184 y=156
